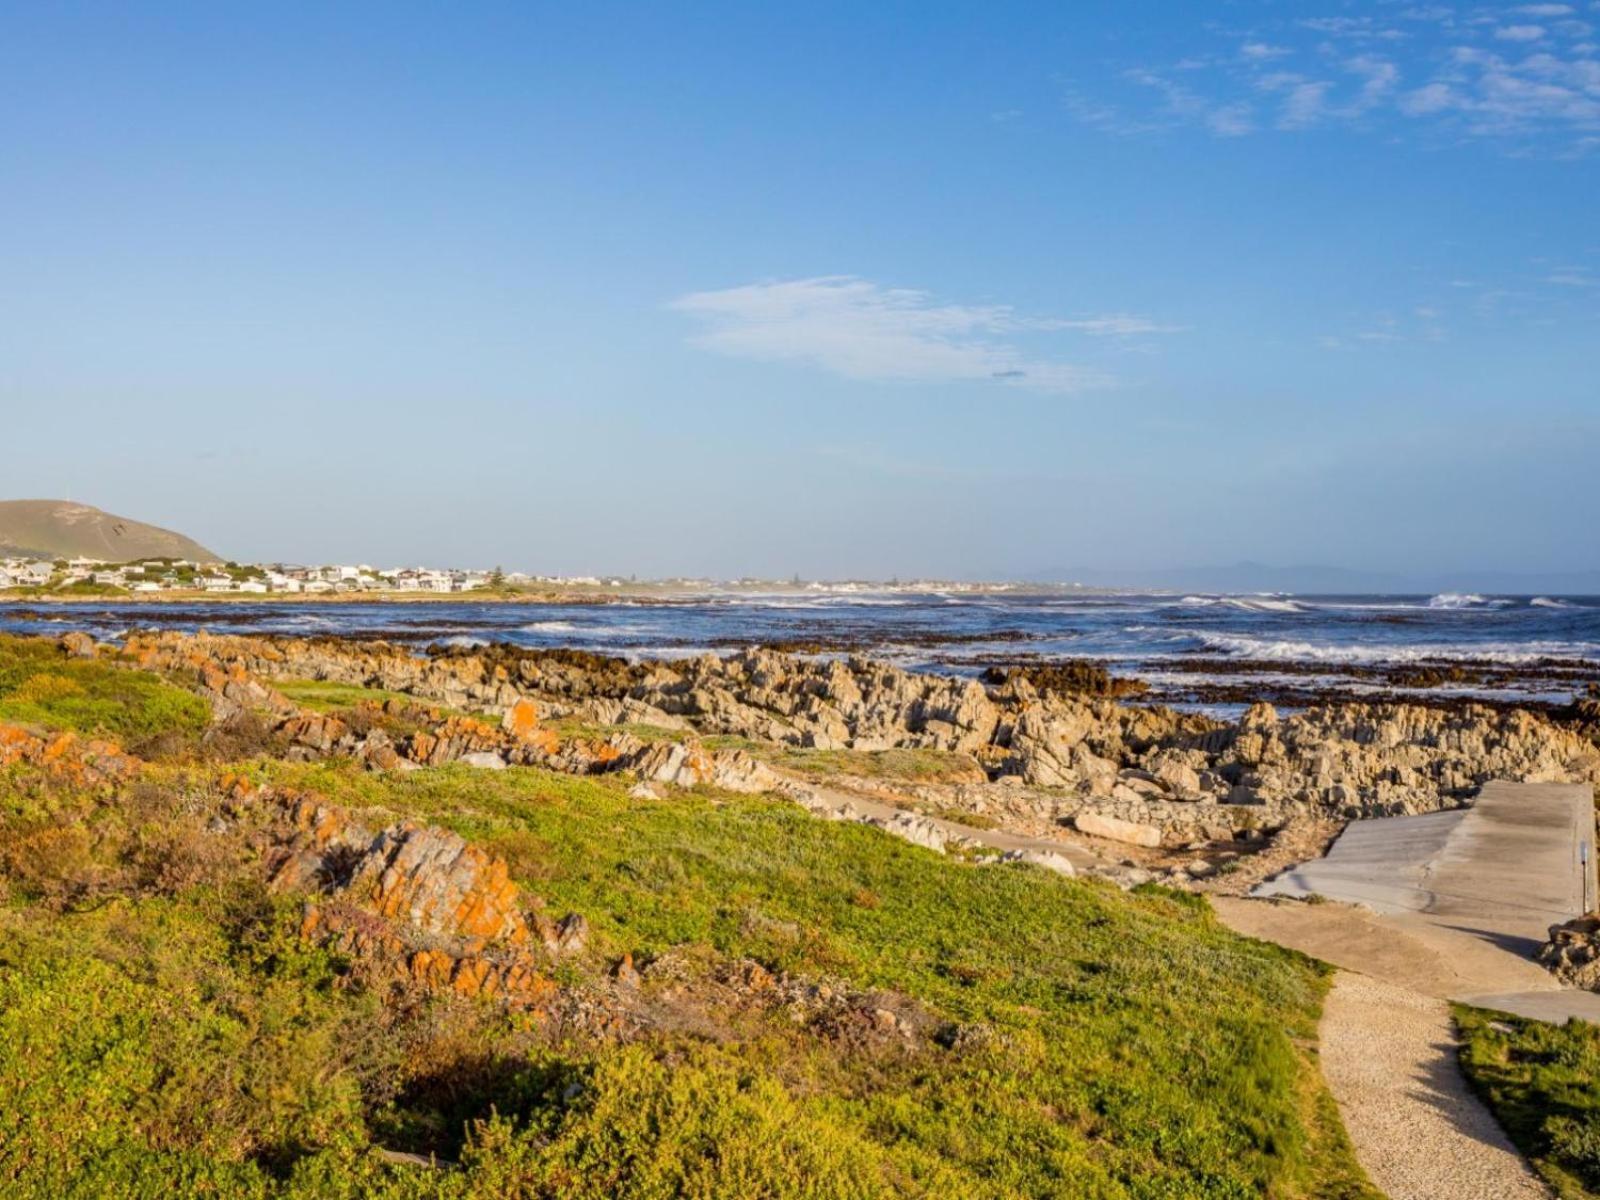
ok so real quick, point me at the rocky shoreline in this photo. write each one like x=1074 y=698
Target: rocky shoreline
x=1132 y=778
x=1191 y=679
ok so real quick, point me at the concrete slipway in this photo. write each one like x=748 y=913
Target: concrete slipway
x=1453 y=903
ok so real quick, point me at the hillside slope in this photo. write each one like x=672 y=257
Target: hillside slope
x=62 y=529
x=227 y=971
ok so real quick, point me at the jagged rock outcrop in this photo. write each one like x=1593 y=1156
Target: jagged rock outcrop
x=415 y=904
x=1573 y=952
x=1183 y=773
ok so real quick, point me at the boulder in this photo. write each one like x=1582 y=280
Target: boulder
x=1048 y=859
x=919 y=831
x=77 y=645
x=1117 y=830
x=1572 y=952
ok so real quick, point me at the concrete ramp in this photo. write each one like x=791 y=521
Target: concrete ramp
x=1384 y=864
x=1511 y=860
x=1475 y=888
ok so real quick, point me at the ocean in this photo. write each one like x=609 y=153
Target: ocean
x=1209 y=651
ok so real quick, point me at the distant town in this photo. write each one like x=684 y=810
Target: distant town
x=93 y=576
x=81 y=576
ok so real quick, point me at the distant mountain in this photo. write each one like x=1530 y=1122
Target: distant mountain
x=1322 y=580
x=62 y=529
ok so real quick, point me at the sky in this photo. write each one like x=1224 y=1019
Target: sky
x=967 y=290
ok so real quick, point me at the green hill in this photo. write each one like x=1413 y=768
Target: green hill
x=62 y=529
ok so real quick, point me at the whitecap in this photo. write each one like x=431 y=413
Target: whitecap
x=1465 y=600
x=1288 y=650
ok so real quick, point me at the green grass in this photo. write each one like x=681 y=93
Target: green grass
x=321 y=695
x=574 y=727
x=1148 y=1051
x=164 y=1033
x=1542 y=1082
x=39 y=685
x=326 y=696
x=901 y=765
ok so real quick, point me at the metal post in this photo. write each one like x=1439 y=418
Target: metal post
x=1583 y=869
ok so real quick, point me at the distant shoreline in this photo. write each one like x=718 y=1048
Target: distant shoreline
x=630 y=593
x=202 y=597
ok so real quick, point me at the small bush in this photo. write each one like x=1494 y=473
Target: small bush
x=39 y=685
x=1543 y=1083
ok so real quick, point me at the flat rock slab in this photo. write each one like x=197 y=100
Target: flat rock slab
x=1388 y=1055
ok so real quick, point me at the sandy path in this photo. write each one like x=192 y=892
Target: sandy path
x=1388 y=1054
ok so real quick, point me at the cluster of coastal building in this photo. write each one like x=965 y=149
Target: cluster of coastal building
x=89 y=575
x=180 y=575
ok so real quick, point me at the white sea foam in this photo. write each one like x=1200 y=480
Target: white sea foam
x=550 y=627
x=1547 y=602
x=1246 y=603
x=1466 y=600
x=1286 y=650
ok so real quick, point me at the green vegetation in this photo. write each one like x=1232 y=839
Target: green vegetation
x=1543 y=1083
x=913 y=766
x=343 y=699
x=39 y=685
x=574 y=727
x=321 y=695
x=164 y=1032
x=1146 y=1051
x=86 y=587
x=908 y=766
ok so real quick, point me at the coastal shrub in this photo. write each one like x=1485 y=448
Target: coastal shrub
x=145 y=1030
x=39 y=685
x=165 y=1033
x=1141 y=1048
x=1542 y=1082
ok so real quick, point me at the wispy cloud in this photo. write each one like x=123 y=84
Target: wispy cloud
x=1526 y=75
x=862 y=330
x=1262 y=51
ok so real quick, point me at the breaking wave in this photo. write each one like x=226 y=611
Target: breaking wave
x=1466 y=600
x=1246 y=603
x=1288 y=650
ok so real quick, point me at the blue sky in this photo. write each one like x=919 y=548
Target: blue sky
x=836 y=289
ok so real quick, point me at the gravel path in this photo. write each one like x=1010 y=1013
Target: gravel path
x=1389 y=1056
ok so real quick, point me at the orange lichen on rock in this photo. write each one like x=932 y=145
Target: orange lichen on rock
x=414 y=903
x=66 y=756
